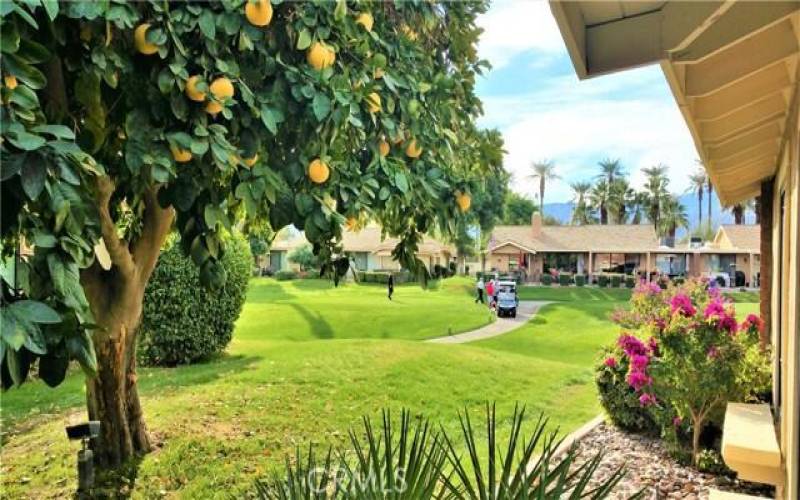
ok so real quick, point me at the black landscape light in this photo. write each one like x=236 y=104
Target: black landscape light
x=84 y=432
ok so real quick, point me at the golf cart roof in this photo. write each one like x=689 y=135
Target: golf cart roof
x=507 y=283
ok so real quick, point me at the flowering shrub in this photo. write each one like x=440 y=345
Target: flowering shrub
x=696 y=357
x=619 y=399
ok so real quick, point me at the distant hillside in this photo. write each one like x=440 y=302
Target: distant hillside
x=563 y=211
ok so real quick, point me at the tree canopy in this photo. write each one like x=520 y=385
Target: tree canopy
x=122 y=121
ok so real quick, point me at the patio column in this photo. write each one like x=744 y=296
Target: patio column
x=765 y=283
x=591 y=267
x=647 y=269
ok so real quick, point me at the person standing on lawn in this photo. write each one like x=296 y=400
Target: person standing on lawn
x=490 y=291
x=390 y=286
x=479 y=289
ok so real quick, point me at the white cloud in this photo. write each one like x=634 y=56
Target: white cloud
x=511 y=28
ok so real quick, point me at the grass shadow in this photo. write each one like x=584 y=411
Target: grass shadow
x=320 y=328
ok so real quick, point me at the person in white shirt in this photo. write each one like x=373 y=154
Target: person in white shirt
x=479 y=288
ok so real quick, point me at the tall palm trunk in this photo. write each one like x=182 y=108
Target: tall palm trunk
x=699 y=207
x=710 y=196
x=541 y=195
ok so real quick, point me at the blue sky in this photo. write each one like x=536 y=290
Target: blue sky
x=533 y=96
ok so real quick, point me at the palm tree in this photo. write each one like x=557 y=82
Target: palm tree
x=582 y=212
x=637 y=204
x=544 y=170
x=738 y=213
x=598 y=198
x=620 y=195
x=673 y=216
x=611 y=170
x=710 y=189
x=656 y=188
x=697 y=185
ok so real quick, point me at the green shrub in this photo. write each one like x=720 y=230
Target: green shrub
x=285 y=275
x=602 y=280
x=547 y=279
x=580 y=280
x=304 y=257
x=183 y=321
x=616 y=280
x=630 y=281
x=564 y=279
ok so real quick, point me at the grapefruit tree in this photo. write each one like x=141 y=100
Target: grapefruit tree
x=123 y=121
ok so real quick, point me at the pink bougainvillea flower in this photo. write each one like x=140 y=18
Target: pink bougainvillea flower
x=631 y=345
x=637 y=380
x=714 y=309
x=728 y=322
x=753 y=321
x=723 y=317
x=610 y=362
x=682 y=304
x=647 y=399
x=639 y=362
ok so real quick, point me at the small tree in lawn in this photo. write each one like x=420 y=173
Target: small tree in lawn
x=123 y=121
x=304 y=257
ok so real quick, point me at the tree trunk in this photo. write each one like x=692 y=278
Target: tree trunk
x=115 y=297
x=697 y=429
x=112 y=396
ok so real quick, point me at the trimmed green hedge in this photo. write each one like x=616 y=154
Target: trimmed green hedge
x=630 y=281
x=285 y=275
x=547 y=279
x=383 y=277
x=183 y=321
x=580 y=280
x=616 y=280
x=602 y=280
x=564 y=279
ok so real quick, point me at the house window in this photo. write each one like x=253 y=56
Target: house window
x=560 y=262
x=276 y=260
x=360 y=260
x=671 y=264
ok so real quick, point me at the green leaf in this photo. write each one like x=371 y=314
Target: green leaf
x=12 y=333
x=53 y=368
x=33 y=175
x=44 y=240
x=35 y=311
x=51 y=6
x=35 y=341
x=58 y=131
x=341 y=10
x=321 y=106
x=57 y=272
x=27 y=141
x=304 y=39
x=207 y=24
x=269 y=118
x=401 y=181
x=80 y=347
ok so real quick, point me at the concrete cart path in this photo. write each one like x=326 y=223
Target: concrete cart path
x=526 y=310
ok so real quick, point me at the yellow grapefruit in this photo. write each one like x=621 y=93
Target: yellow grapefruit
x=320 y=56
x=180 y=155
x=365 y=19
x=374 y=102
x=318 y=171
x=250 y=161
x=213 y=107
x=383 y=148
x=221 y=88
x=464 y=201
x=10 y=81
x=413 y=150
x=140 y=40
x=258 y=12
x=191 y=89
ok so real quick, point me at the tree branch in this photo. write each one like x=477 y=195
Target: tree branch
x=117 y=248
x=156 y=227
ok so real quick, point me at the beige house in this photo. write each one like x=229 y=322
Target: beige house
x=628 y=249
x=733 y=69
x=368 y=251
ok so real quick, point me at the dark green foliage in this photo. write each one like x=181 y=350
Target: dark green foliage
x=602 y=280
x=580 y=280
x=422 y=462
x=619 y=400
x=518 y=210
x=547 y=279
x=285 y=275
x=630 y=281
x=184 y=321
x=564 y=279
x=383 y=277
x=304 y=257
x=616 y=280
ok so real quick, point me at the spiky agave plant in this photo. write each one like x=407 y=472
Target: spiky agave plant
x=422 y=463
x=535 y=468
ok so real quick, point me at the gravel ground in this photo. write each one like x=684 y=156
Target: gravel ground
x=649 y=466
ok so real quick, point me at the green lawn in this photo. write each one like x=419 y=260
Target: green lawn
x=307 y=360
